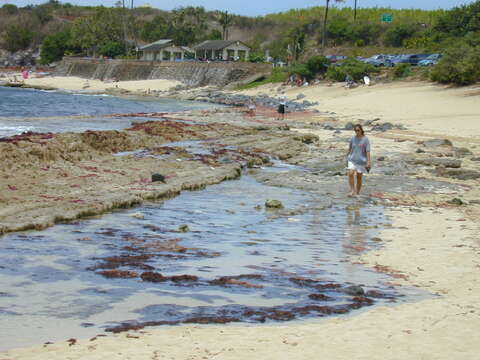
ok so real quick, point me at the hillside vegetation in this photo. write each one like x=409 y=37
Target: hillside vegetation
x=60 y=29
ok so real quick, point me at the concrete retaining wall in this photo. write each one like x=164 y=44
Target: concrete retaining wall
x=190 y=73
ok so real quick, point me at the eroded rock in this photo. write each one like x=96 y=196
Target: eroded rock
x=459 y=174
x=273 y=204
x=447 y=163
x=353 y=290
x=437 y=142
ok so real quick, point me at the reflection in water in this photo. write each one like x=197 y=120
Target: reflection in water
x=355 y=239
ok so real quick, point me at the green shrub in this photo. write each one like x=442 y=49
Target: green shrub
x=359 y=43
x=363 y=33
x=214 y=35
x=54 y=47
x=256 y=58
x=278 y=75
x=458 y=66
x=112 y=49
x=424 y=73
x=300 y=69
x=396 y=35
x=351 y=66
x=460 y=21
x=402 y=70
x=10 y=9
x=337 y=29
x=17 y=37
x=317 y=64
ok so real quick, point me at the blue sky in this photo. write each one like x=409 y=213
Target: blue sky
x=262 y=7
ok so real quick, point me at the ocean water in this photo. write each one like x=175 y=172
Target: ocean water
x=53 y=111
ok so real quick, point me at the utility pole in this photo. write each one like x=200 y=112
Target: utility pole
x=325 y=24
x=132 y=25
x=124 y=23
x=354 y=11
x=324 y=35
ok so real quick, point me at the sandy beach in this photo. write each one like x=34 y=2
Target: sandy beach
x=432 y=244
x=79 y=84
x=421 y=106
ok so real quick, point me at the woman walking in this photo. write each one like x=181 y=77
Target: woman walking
x=358 y=159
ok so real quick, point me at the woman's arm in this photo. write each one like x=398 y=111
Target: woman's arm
x=367 y=150
x=349 y=148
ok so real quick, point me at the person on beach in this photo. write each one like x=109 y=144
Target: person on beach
x=358 y=160
x=349 y=82
x=282 y=108
x=24 y=73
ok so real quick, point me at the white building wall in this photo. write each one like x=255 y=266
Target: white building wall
x=150 y=55
x=236 y=48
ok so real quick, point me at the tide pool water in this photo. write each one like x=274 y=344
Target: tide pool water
x=52 y=288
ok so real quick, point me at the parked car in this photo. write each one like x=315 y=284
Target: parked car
x=412 y=59
x=379 y=60
x=430 y=60
x=335 y=58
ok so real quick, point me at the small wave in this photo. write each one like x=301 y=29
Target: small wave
x=95 y=95
x=14 y=130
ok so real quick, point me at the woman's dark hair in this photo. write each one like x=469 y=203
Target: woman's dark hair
x=358 y=126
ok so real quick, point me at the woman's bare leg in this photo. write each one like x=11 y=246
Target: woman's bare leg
x=351 y=182
x=359 y=182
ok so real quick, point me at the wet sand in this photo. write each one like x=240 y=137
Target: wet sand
x=432 y=244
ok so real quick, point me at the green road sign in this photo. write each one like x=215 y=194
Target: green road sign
x=387 y=17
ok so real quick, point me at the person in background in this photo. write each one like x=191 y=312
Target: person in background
x=358 y=160
x=282 y=107
x=349 y=82
x=252 y=105
x=24 y=73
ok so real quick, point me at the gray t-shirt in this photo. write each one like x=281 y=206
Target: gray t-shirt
x=359 y=146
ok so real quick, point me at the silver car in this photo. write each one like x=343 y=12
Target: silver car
x=430 y=60
x=379 y=60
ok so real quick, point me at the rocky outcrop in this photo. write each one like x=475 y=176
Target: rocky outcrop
x=19 y=58
x=190 y=73
x=216 y=96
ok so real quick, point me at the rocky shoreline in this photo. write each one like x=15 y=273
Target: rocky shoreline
x=434 y=158
x=53 y=178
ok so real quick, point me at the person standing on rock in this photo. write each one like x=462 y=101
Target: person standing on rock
x=282 y=108
x=358 y=160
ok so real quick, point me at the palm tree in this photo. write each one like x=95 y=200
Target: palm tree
x=225 y=20
x=324 y=36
